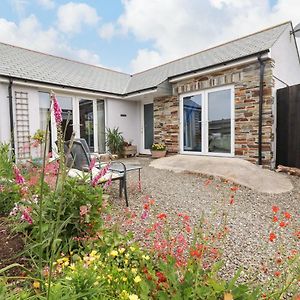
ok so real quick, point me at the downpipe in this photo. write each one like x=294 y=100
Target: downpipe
x=260 y=107
x=11 y=117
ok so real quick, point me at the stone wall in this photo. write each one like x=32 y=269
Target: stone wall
x=166 y=122
x=246 y=82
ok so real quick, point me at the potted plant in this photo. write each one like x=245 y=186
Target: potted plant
x=158 y=150
x=115 y=141
x=129 y=149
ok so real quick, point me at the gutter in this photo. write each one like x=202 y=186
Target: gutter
x=260 y=107
x=11 y=117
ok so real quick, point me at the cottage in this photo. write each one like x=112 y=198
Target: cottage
x=218 y=102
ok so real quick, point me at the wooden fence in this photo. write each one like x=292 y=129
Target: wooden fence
x=288 y=126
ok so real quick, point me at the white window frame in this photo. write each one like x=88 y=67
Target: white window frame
x=204 y=122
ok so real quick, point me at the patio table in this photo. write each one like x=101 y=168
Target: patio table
x=129 y=168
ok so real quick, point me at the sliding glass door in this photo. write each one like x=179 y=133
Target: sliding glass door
x=192 y=123
x=208 y=122
x=219 y=121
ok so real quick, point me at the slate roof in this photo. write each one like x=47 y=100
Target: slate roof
x=27 y=64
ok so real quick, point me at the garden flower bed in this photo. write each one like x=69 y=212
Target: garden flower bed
x=184 y=236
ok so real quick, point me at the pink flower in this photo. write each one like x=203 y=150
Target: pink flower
x=26 y=216
x=92 y=164
x=19 y=179
x=101 y=173
x=144 y=215
x=56 y=110
x=108 y=183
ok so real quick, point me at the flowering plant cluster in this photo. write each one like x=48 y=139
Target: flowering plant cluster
x=158 y=147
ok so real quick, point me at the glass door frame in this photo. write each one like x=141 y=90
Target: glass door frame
x=204 y=128
x=95 y=120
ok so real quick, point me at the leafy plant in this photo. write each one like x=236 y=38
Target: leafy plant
x=6 y=162
x=114 y=140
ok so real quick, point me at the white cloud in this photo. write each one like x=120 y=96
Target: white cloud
x=71 y=17
x=176 y=27
x=29 y=34
x=48 y=4
x=107 y=31
x=19 y=6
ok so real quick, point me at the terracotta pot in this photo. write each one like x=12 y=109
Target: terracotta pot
x=158 y=153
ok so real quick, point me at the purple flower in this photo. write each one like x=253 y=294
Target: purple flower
x=101 y=173
x=19 y=179
x=56 y=110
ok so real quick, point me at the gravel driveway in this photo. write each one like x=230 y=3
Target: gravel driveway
x=250 y=217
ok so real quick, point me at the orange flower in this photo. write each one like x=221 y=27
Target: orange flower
x=277 y=273
x=275 y=219
x=287 y=215
x=275 y=209
x=272 y=236
x=146 y=206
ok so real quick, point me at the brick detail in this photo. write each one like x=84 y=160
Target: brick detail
x=246 y=82
x=166 y=122
x=22 y=125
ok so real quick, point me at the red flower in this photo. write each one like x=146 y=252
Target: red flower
x=277 y=273
x=287 y=215
x=297 y=234
x=146 y=206
x=161 y=277
x=234 y=188
x=275 y=219
x=272 y=236
x=19 y=179
x=162 y=216
x=275 y=209
x=282 y=224
x=188 y=228
x=231 y=200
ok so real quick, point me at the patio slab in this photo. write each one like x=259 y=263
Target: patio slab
x=234 y=169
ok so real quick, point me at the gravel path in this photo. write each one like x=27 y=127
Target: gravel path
x=250 y=217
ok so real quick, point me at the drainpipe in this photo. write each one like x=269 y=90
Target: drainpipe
x=11 y=115
x=260 y=108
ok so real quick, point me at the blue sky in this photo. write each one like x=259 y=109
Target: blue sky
x=132 y=35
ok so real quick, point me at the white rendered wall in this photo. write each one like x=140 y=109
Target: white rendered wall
x=287 y=65
x=129 y=125
x=4 y=114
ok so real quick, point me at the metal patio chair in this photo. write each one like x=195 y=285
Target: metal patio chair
x=81 y=162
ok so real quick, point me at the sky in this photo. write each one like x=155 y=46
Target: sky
x=133 y=35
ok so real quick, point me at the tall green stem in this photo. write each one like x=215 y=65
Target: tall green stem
x=41 y=200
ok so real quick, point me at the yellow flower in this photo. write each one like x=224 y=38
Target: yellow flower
x=66 y=263
x=109 y=277
x=72 y=267
x=133 y=297
x=124 y=279
x=96 y=283
x=127 y=255
x=137 y=279
x=124 y=295
x=36 y=284
x=126 y=261
x=146 y=257
x=132 y=248
x=93 y=253
x=114 y=253
x=134 y=270
x=122 y=250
